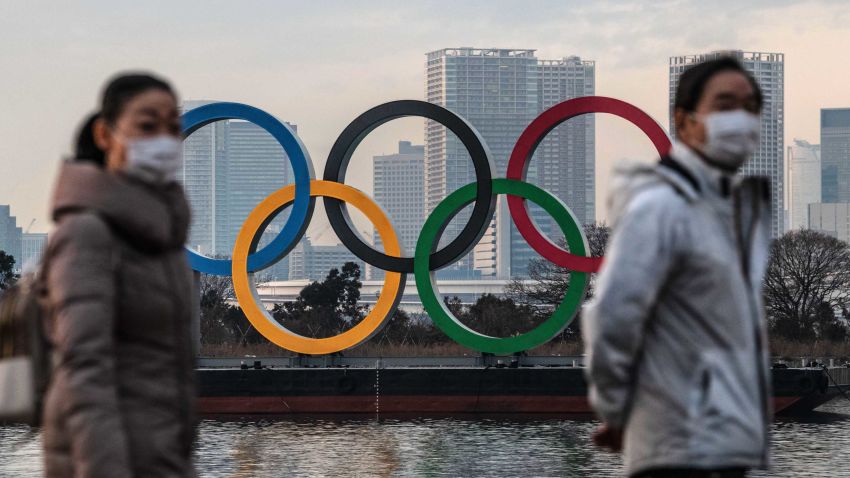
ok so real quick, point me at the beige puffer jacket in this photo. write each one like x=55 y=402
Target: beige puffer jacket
x=121 y=399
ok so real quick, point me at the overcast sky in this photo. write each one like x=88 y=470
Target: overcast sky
x=319 y=64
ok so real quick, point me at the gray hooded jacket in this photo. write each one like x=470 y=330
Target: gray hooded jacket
x=676 y=334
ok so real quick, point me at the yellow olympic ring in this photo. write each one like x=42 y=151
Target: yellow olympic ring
x=246 y=292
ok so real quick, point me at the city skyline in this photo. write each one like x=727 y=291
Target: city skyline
x=631 y=65
x=830 y=214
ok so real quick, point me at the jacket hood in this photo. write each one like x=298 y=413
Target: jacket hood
x=150 y=217
x=630 y=178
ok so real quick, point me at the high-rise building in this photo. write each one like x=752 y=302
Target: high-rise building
x=500 y=91
x=398 y=186
x=496 y=91
x=32 y=248
x=804 y=182
x=11 y=236
x=835 y=154
x=313 y=262
x=769 y=71
x=567 y=155
x=566 y=158
x=229 y=167
x=831 y=218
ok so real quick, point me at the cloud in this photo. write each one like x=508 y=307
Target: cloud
x=321 y=63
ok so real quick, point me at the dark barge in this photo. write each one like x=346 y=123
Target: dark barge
x=444 y=385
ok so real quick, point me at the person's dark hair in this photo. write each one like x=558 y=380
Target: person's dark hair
x=693 y=80
x=117 y=93
x=85 y=148
x=123 y=88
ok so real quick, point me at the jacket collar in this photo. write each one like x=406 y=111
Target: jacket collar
x=711 y=180
x=150 y=217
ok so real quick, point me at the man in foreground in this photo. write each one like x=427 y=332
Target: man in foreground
x=675 y=337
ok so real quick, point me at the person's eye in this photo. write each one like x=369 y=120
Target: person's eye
x=752 y=107
x=174 y=129
x=147 y=127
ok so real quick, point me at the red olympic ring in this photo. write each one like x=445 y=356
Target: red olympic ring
x=531 y=138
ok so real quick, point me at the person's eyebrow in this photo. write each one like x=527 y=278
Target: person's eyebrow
x=153 y=112
x=149 y=112
x=726 y=96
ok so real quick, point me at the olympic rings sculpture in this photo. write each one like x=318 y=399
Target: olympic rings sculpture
x=337 y=196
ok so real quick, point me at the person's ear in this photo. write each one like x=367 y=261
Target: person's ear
x=102 y=134
x=680 y=118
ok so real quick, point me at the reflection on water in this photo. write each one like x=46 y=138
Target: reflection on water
x=458 y=446
x=401 y=447
x=20 y=452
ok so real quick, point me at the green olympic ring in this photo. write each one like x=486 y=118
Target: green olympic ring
x=446 y=321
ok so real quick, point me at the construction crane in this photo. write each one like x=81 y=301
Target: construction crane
x=29 y=227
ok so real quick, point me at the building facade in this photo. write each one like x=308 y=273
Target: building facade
x=32 y=249
x=804 y=182
x=398 y=185
x=835 y=155
x=500 y=91
x=768 y=160
x=11 y=236
x=229 y=167
x=567 y=155
x=313 y=262
x=831 y=218
x=496 y=91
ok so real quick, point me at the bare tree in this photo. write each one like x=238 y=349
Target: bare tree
x=807 y=277
x=546 y=284
x=215 y=292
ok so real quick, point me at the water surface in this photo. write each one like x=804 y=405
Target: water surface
x=445 y=447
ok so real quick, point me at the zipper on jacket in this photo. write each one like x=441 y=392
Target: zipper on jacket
x=744 y=250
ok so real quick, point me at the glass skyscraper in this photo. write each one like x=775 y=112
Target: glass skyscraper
x=572 y=180
x=229 y=167
x=398 y=186
x=804 y=182
x=33 y=245
x=11 y=236
x=835 y=155
x=500 y=91
x=314 y=261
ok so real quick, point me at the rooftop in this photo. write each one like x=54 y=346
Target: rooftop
x=490 y=52
x=739 y=54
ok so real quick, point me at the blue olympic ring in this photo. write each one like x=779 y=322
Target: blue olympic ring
x=302 y=167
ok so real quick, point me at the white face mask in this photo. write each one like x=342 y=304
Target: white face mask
x=156 y=160
x=732 y=137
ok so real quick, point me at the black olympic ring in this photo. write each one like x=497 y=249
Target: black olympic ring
x=350 y=138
